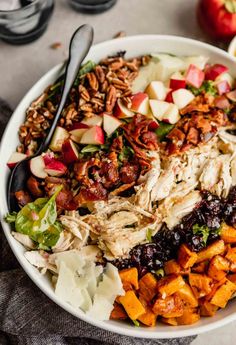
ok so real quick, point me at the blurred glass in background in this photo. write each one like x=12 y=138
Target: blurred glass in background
x=92 y=6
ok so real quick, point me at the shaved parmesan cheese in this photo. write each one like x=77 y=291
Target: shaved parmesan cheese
x=101 y=308
x=72 y=258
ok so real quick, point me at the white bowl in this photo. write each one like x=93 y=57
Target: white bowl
x=232 y=47
x=136 y=45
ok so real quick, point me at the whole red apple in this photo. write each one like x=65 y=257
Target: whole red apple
x=218 y=18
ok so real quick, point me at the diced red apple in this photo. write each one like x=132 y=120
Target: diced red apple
x=158 y=108
x=153 y=125
x=182 y=97
x=223 y=87
x=156 y=90
x=93 y=136
x=78 y=125
x=59 y=136
x=48 y=157
x=15 y=158
x=169 y=97
x=194 y=76
x=76 y=134
x=213 y=71
x=226 y=77
x=121 y=111
x=69 y=151
x=110 y=124
x=140 y=103
x=37 y=167
x=198 y=60
x=95 y=120
x=232 y=95
x=177 y=81
x=55 y=168
x=222 y=102
x=172 y=114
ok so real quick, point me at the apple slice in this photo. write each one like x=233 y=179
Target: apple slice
x=59 y=136
x=156 y=90
x=177 y=81
x=182 y=97
x=15 y=158
x=110 y=124
x=95 y=120
x=121 y=111
x=69 y=152
x=94 y=135
x=232 y=95
x=198 y=60
x=194 y=76
x=37 y=167
x=172 y=114
x=76 y=134
x=153 y=125
x=223 y=87
x=55 y=168
x=226 y=77
x=169 y=97
x=222 y=102
x=212 y=72
x=78 y=125
x=140 y=103
x=158 y=108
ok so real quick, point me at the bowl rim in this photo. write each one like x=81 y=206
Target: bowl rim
x=232 y=48
x=105 y=325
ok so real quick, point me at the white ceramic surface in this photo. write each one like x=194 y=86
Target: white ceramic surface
x=135 y=45
x=232 y=47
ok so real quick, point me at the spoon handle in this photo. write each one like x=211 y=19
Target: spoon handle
x=79 y=46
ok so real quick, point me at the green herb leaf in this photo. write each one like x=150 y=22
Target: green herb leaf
x=163 y=129
x=204 y=231
x=136 y=323
x=90 y=149
x=207 y=86
x=11 y=217
x=86 y=68
x=160 y=272
x=149 y=235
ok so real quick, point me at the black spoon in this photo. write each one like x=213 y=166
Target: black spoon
x=80 y=44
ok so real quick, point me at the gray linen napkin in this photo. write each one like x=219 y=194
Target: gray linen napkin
x=28 y=317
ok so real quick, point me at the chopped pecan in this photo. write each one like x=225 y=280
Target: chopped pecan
x=100 y=74
x=110 y=98
x=92 y=79
x=84 y=93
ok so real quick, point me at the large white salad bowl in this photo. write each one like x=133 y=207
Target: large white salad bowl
x=134 y=46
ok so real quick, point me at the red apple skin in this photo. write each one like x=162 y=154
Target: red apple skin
x=212 y=72
x=13 y=161
x=216 y=20
x=69 y=152
x=169 y=97
x=223 y=87
x=119 y=113
x=153 y=125
x=194 y=76
x=100 y=135
x=55 y=168
x=137 y=99
x=78 y=125
x=176 y=84
x=232 y=95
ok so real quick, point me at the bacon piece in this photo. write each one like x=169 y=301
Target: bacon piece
x=109 y=170
x=193 y=136
x=82 y=169
x=34 y=187
x=122 y=188
x=23 y=197
x=117 y=144
x=94 y=192
x=129 y=173
x=65 y=200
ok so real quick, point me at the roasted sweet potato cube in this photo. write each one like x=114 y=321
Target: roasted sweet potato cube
x=186 y=258
x=213 y=249
x=223 y=294
x=201 y=267
x=170 y=284
x=169 y=321
x=231 y=256
x=171 y=306
x=187 y=296
x=129 y=278
x=228 y=233
x=218 y=267
x=232 y=277
x=215 y=285
x=148 y=286
x=189 y=317
x=207 y=309
x=148 y=318
x=132 y=305
x=118 y=313
x=200 y=284
x=172 y=267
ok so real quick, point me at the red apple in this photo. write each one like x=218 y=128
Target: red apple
x=110 y=124
x=169 y=97
x=78 y=125
x=69 y=152
x=158 y=108
x=223 y=87
x=15 y=158
x=48 y=157
x=153 y=125
x=121 y=111
x=76 y=134
x=171 y=115
x=59 y=136
x=176 y=84
x=93 y=136
x=222 y=102
x=194 y=76
x=232 y=96
x=55 y=168
x=213 y=71
x=156 y=90
x=95 y=120
x=140 y=103
x=182 y=97
x=37 y=167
